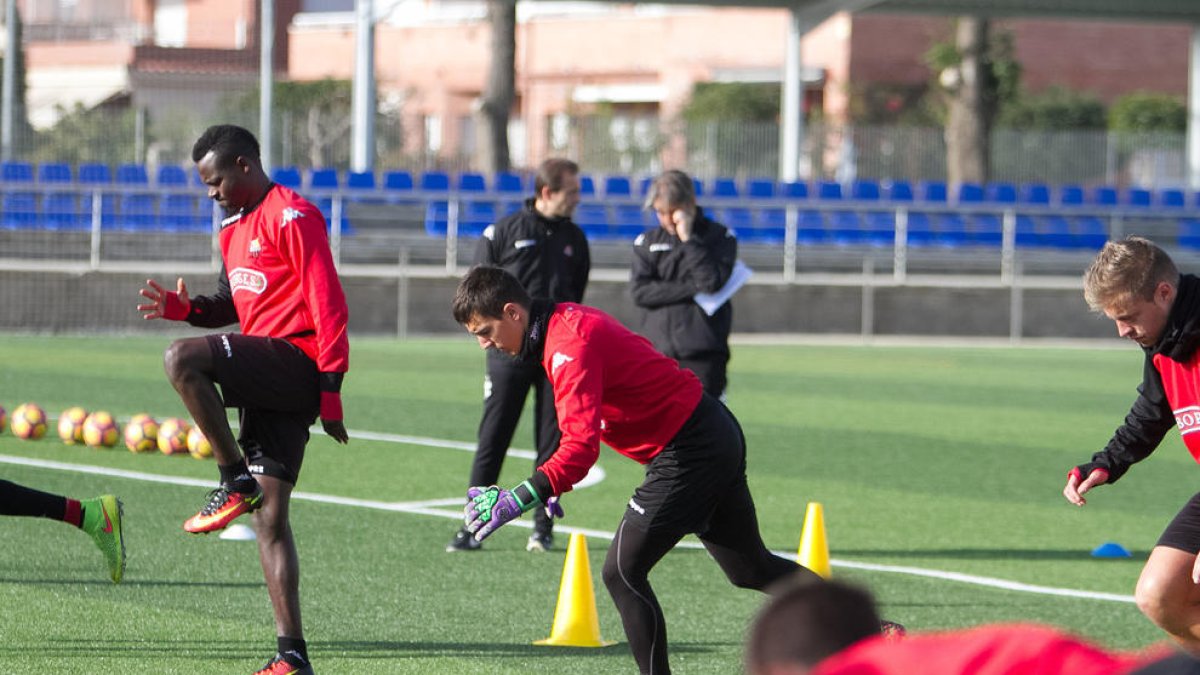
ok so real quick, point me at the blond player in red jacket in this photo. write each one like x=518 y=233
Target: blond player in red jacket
x=285 y=367
x=611 y=385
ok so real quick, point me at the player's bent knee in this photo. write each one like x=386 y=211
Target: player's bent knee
x=1154 y=599
x=182 y=358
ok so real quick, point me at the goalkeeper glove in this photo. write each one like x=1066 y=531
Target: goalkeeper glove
x=491 y=507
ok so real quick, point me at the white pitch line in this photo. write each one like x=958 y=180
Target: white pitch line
x=429 y=508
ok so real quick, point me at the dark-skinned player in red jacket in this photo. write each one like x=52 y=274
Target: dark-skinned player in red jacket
x=285 y=367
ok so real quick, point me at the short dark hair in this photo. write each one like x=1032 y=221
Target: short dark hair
x=227 y=142
x=807 y=621
x=552 y=173
x=484 y=292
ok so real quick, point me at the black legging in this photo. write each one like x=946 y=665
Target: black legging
x=694 y=463
x=18 y=500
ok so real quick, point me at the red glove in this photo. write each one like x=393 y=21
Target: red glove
x=173 y=308
x=331 y=406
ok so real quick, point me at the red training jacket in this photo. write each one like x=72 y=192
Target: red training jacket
x=610 y=385
x=282 y=278
x=1015 y=649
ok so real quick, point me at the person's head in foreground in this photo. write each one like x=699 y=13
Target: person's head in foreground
x=493 y=306
x=806 y=622
x=1134 y=283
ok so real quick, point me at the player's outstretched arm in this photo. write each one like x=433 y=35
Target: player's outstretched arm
x=1078 y=485
x=164 y=304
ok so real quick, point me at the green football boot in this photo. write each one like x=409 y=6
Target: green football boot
x=102 y=522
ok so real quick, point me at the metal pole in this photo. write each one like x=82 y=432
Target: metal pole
x=792 y=136
x=868 y=298
x=266 y=79
x=364 y=88
x=8 y=91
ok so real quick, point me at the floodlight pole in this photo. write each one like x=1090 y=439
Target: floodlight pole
x=8 y=90
x=793 y=100
x=266 y=79
x=363 y=142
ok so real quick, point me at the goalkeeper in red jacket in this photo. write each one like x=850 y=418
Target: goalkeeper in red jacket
x=611 y=385
x=285 y=367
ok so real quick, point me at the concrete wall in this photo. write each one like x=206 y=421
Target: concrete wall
x=57 y=302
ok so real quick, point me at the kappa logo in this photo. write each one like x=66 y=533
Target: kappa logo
x=1188 y=419
x=245 y=279
x=289 y=214
x=569 y=251
x=557 y=360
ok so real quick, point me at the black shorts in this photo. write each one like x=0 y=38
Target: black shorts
x=1183 y=532
x=276 y=390
x=702 y=467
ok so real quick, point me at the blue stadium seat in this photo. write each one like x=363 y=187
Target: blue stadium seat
x=724 y=188
x=94 y=174
x=18 y=210
x=1002 y=193
x=1172 y=198
x=1189 y=233
x=172 y=175
x=736 y=218
x=437 y=211
x=471 y=182
x=879 y=228
x=287 y=176
x=865 y=190
x=900 y=191
x=587 y=186
x=970 y=193
x=592 y=217
x=828 y=189
x=398 y=187
x=1070 y=195
x=324 y=178
x=510 y=183
x=132 y=174
x=360 y=180
x=179 y=212
x=60 y=211
x=1104 y=195
x=920 y=229
x=16 y=172
x=629 y=221
x=933 y=191
x=617 y=186
x=1088 y=232
x=137 y=211
x=760 y=188
x=1035 y=194
x=54 y=172
x=1138 y=197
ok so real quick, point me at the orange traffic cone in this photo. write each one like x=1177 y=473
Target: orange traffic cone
x=575 y=621
x=814 y=548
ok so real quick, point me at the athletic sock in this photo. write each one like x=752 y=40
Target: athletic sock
x=73 y=513
x=293 y=650
x=237 y=476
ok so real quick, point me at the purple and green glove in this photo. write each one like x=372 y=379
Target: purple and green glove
x=489 y=508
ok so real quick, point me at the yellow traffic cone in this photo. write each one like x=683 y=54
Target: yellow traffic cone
x=575 y=621
x=814 y=548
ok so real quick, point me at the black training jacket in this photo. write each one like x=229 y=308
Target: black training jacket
x=668 y=273
x=549 y=256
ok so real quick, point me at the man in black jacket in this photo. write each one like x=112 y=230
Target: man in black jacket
x=1135 y=283
x=686 y=255
x=548 y=254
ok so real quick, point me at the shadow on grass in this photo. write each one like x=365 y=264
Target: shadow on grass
x=374 y=649
x=1026 y=554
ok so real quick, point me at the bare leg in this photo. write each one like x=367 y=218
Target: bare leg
x=277 y=551
x=1168 y=597
x=190 y=369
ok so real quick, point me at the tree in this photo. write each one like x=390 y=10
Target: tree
x=22 y=131
x=976 y=75
x=1146 y=111
x=500 y=91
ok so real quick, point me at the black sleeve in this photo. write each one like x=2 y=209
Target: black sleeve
x=1148 y=421
x=584 y=266
x=710 y=263
x=485 y=251
x=216 y=310
x=648 y=290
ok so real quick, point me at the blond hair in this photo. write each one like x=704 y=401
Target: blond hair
x=1126 y=270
